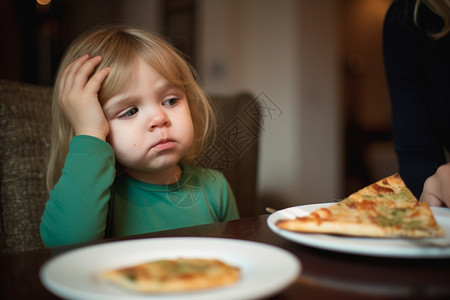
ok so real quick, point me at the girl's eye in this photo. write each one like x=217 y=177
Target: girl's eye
x=170 y=102
x=129 y=113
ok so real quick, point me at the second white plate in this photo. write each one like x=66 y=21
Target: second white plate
x=407 y=248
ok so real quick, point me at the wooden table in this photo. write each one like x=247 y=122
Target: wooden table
x=325 y=274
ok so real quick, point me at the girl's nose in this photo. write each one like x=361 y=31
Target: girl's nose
x=157 y=120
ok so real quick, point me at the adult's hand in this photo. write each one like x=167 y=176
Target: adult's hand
x=436 y=190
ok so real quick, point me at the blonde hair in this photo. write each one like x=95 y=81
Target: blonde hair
x=119 y=45
x=439 y=7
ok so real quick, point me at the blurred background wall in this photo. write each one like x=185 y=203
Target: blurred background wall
x=315 y=67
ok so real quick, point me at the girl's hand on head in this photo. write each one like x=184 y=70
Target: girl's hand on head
x=436 y=189
x=78 y=97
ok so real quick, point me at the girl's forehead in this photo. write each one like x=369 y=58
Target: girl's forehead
x=125 y=70
x=159 y=66
x=144 y=80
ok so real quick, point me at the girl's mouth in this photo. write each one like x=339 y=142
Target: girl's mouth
x=164 y=144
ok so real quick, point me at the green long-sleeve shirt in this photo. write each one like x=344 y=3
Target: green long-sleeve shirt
x=88 y=189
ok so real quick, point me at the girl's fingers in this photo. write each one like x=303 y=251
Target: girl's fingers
x=77 y=72
x=66 y=79
x=80 y=77
x=97 y=79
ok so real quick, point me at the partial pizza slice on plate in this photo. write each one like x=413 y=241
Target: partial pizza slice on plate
x=385 y=209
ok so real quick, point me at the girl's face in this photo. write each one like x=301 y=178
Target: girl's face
x=150 y=126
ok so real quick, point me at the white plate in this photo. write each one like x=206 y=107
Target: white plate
x=74 y=275
x=383 y=247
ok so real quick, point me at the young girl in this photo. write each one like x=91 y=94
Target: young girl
x=127 y=117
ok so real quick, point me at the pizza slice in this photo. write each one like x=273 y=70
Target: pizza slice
x=174 y=275
x=386 y=209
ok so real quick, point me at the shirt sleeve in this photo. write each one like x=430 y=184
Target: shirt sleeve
x=78 y=205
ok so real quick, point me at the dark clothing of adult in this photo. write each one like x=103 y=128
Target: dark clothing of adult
x=418 y=75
